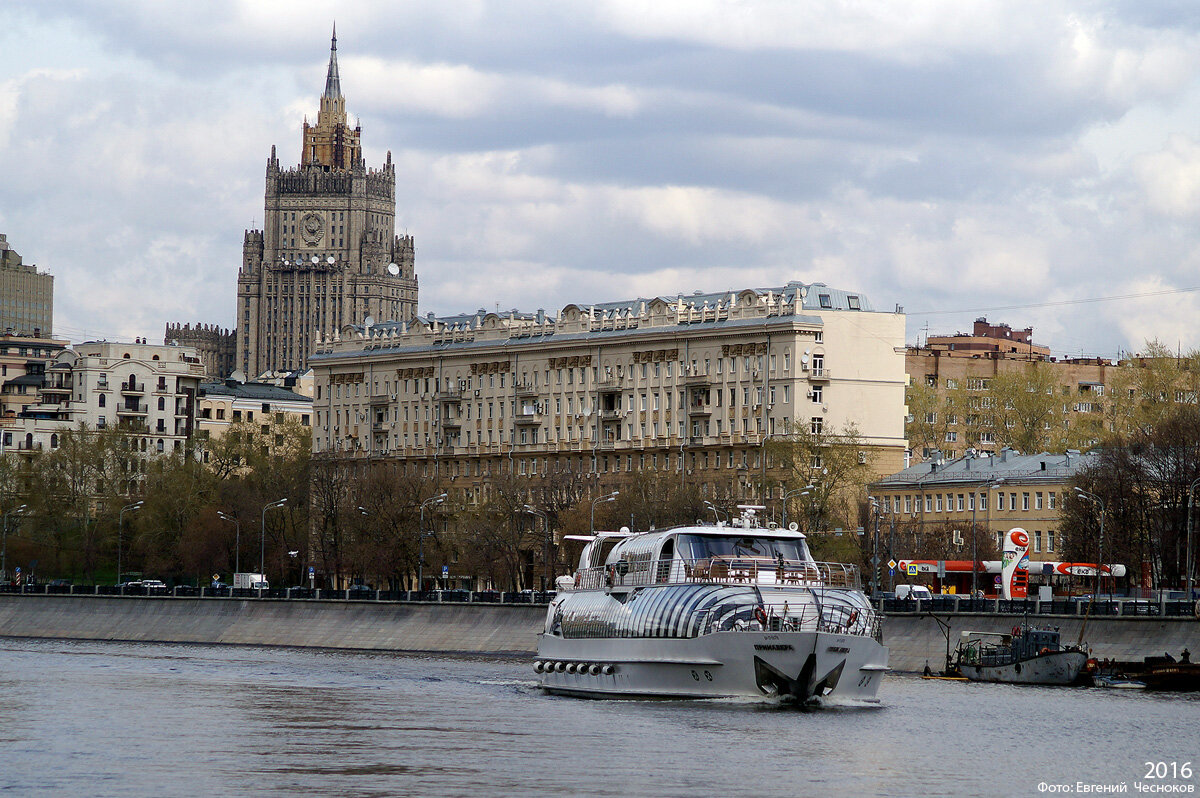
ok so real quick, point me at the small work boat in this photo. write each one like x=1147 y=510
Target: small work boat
x=1024 y=656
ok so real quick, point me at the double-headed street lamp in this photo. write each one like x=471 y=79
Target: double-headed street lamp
x=789 y=494
x=1100 y=547
x=546 y=521
x=612 y=497
x=262 y=541
x=716 y=513
x=4 y=548
x=237 y=540
x=121 y=525
x=422 y=534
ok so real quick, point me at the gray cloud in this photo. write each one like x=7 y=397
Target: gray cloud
x=549 y=154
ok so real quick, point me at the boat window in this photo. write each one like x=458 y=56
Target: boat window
x=702 y=547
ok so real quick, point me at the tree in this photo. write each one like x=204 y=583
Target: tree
x=826 y=471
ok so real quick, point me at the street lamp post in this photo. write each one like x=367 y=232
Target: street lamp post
x=1191 y=499
x=435 y=500
x=789 y=494
x=611 y=497
x=1100 y=547
x=546 y=522
x=875 y=552
x=262 y=541
x=237 y=540
x=716 y=513
x=121 y=525
x=4 y=548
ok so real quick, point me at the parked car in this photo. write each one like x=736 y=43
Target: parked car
x=59 y=583
x=361 y=591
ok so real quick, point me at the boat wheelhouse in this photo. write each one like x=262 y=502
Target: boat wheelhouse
x=710 y=611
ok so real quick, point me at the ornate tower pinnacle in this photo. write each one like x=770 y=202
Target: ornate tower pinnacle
x=331 y=143
x=333 y=85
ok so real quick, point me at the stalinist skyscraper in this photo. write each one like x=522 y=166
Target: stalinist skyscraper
x=328 y=254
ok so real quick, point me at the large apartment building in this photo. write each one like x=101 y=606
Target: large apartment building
x=328 y=254
x=689 y=384
x=144 y=389
x=26 y=295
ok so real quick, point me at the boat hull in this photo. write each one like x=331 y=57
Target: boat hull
x=1057 y=668
x=803 y=665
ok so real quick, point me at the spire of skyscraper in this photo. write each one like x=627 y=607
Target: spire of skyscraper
x=333 y=85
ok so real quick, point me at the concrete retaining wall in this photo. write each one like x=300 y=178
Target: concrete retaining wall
x=317 y=624
x=484 y=628
x=913 y=639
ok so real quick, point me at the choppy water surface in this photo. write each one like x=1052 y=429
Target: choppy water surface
x=129 y=720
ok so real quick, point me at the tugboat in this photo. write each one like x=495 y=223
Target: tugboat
x=1026 y=656
x=710 y=612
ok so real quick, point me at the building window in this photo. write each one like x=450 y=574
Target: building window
x=999 y=501
x=826 y=301
x=1050 y=540
x=1024 y=501
x=1037 y=500
x=1037 y=540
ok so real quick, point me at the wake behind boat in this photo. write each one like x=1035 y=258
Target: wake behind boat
x=710 y=612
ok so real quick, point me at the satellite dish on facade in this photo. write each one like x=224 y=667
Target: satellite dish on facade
x=368 y=321
x=803 y=293
x=393 y=269
x=238 y=376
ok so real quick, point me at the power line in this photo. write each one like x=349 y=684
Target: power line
x=1060 y=303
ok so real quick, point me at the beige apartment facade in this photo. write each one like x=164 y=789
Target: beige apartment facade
x=693 y=385
x=146 y=390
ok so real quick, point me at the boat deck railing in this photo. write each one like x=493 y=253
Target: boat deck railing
x=732 y=570
x=783 y=617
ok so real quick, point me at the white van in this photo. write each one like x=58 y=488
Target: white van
x=913 y=592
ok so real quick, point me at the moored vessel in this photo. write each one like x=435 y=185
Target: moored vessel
x=1024 y=656
x=710 y=612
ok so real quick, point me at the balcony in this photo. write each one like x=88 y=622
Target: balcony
x=699 y=409
x=608 y=384
x=132 y=388
x=451 y=423
x=818 y=374
x=381 y=399
x=529 y=418
x=449 y=396
x=611 y=415
x=524 y=389
x=696 y=378
x=131 y=410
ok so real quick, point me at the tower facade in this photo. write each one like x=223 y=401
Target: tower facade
x=328 y=254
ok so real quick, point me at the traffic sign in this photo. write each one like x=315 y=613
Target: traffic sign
x=912 y=569
x=311 y=570
x=445 y=572
x=891 y=572
x=892 y=564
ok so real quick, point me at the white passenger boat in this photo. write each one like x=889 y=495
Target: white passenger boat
x=710 y=612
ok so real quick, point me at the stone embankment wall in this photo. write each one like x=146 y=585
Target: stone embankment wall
x=477 y=628
x=913 y=639
x=488 y=628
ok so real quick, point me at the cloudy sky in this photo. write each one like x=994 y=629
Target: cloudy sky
x=997 y=157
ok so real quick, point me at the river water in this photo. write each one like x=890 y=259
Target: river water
x=117 y=719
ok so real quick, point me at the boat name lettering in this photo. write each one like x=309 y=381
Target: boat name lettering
x=838 y=649
x=772 y=647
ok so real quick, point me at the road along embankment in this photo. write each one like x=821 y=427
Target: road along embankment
x=386 y=626
x=490 y=628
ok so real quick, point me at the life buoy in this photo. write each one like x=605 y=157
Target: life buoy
x=853 y=618
x=760 y=615
x=1044 y=652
